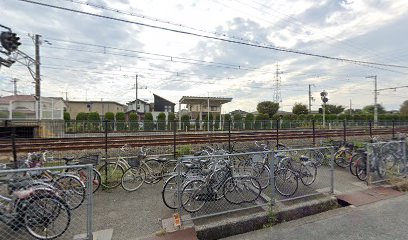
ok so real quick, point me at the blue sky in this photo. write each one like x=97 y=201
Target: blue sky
x=368 y=30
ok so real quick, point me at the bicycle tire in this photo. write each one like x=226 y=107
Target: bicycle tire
x=153 y=171
x=286 y=182
x=31 y=222
x=352 y=165
x=131 y=176
x=242 y=189
x=73 y=190
x=96 y=178
x=341 y=158
x=113 y=176
x=316 y=157
x=169 y=191
x=361 y=168
x=190 y=195
x=310 y=171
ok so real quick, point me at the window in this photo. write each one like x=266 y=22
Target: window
x=167 y=108
x=214 y=108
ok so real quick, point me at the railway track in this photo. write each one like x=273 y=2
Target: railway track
x=83 y=143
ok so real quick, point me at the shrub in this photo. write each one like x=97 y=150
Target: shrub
x=67 y=116
x=133 y=121
x=161 y=121
x=185 y=122
x=148 y=122
x=120 y=121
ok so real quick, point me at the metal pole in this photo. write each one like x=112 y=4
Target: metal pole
x=106 y=151
x=314 y=132
x=371 y=128
x=344 y=131
x=137 y=115
x=310 y=99
x=89 y=202
x=272 y=180
x=332 y=171
x=37 y=44
x=375 y=102
x=208 y=113
x=324 y=115
x=393 y=128
x=174 y=139
x=229 y=136
x=13 y=144
x=277 y=132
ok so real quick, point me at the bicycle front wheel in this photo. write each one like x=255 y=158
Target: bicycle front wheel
x=46 y=216
x=170 y=191
x=194 y=195
x=111 y=174
x=133 y=179
x=73 y=190
x=154 y=171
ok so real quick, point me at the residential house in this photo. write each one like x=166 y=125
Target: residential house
x=161 y=105
x=101 y=107
x=142 y=108
x=200 y=107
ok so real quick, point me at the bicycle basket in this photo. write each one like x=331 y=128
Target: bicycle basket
x=90 y=159
x=134 y=162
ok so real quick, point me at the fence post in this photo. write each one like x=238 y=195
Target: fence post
x=106 y=152
x=229 y=136
x=89 y=194
x=13 y=145
x=174 y=139
x=344 y=131
x=314 y=132
x=404 y=157
x=277 y=132
x=272 y=180
x=370 y=125
x=332 y=170
x=393 y=128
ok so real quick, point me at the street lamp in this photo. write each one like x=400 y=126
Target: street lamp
x=323 y=96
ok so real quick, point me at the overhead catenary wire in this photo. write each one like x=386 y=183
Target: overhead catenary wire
x=216 y=38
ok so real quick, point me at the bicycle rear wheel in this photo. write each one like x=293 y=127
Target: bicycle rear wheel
x=245 y=189
x=361 y=168
x=133 y=179
x=308 y=173
x=153 y=170
x=73 y=190
x=286 y=182
x=111 y=174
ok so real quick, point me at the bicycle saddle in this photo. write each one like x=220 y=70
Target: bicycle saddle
x=68 y=158
x=161 y=160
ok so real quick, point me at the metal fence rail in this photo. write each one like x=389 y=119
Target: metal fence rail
x=46 y=203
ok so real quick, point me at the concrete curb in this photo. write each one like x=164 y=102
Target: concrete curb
x=238 y=225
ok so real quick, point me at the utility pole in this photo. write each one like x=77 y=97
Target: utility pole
x=208 y=112
x=66 y=95
x=136 y=98
x=310 y=98
x=350 y=107
x=375 y=99
x=14 y=81
x=37 y=78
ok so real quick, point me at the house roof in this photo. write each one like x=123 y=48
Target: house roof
x=131 y=102
x=202 y=100
x=22 y=98
x=157 y=96
x=86 y=102
x=238 y=111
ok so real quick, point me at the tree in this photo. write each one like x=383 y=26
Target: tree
x=404 y=108
x=161 y=121
x=249 y=121
x=148 y=122
x=261 y=120
x=369 y=109
x=268 y=107
x=334 y=109
x=217 y=122
x=299 y=108
x=185 y=122
x=67 y=116
x=120 y=121
x=237 y=121
x=227 y=120
x=109 y=116
x=171 y=117
x=133 y=121
x=81 y=116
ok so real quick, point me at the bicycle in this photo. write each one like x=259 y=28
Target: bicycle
x=40 y=210
x=82 y=173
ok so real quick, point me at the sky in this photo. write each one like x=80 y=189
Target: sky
x=86 y=57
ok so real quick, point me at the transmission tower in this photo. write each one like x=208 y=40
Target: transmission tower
x=277 y=90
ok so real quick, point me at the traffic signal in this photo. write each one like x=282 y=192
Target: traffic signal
x=9 y=41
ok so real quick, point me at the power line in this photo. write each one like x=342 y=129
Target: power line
x=392 y=88
x=216 y=38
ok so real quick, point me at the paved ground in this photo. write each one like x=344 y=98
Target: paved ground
x=385 y=220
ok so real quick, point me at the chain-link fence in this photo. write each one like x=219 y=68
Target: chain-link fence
x=384 y=161
x=46 y=202
x=219 y=183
